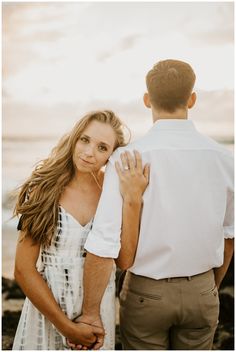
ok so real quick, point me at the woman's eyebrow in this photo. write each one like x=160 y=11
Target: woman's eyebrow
x=101 y=142
x=105 y=143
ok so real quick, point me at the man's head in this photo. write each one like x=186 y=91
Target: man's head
x=170 y=84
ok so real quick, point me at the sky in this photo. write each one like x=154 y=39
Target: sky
x=64 y=58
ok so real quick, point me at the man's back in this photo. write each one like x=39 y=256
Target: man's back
x=184 y=212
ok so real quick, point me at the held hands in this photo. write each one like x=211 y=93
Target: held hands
x=133 y=177
x=91 y=334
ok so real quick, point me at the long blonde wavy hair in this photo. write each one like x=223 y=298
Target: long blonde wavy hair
x=39 y=196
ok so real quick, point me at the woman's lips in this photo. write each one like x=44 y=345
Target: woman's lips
x=86 y=162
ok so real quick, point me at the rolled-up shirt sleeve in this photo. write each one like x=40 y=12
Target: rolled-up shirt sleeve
x=229 y=217
x=104 y=238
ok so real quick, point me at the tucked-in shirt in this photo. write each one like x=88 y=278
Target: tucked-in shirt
x=187 y=206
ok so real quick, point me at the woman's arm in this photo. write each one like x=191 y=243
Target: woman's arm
x=38 y=292
x=133 y=182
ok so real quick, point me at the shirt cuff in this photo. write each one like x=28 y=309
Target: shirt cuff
x=228 y=232
x=102 y=248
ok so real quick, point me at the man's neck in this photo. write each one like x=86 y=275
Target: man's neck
x=165 y=115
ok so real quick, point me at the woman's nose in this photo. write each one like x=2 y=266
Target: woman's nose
x=89 y=150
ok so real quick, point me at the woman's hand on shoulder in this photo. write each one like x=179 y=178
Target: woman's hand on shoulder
x=134 y=178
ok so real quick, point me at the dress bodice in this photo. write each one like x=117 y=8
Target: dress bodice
x=68 y=240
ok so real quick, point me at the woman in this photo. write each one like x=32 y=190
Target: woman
x=57 y=205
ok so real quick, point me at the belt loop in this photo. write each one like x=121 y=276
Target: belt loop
x=169 y=279
x=189 y=278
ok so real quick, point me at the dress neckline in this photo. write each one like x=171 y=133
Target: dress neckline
x=73 y=218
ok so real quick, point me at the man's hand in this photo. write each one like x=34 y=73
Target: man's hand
x=97 y=329
x=97 y=272
x=83 y=334
x=95 y=322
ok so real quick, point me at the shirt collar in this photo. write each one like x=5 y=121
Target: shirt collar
x=173 y=125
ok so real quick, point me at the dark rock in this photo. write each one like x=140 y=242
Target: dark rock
x=224 y=337
x=9 y=326
x=229 y=277
x=12 y=289
x=6 y=284
x=226 y=309
x=228 y=344
x=15 y=293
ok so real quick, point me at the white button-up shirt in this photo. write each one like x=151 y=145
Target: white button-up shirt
x=187 y=206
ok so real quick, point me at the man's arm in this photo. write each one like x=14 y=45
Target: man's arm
x=228 y=253
x=97 y=272
x=102 y=245
x=228 y=227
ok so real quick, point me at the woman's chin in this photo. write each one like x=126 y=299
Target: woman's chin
x=86 y=169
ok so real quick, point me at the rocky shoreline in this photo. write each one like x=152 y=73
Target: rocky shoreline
x=13 y=298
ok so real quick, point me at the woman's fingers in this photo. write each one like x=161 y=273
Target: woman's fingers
x=70 y=344
x=100 y=339
x=118 y=169
x=131 y=161
x=98 y=344
x=146 y=172
x=138 y=160
x=128 y=161
x=124 y=161
x=78 y=347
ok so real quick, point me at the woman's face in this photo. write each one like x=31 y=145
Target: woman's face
x=94 y=146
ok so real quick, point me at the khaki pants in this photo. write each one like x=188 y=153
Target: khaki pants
x=176 y=313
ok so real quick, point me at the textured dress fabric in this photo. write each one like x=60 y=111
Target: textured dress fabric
x=61 y=266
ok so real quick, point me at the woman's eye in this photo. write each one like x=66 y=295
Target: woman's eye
x=84 y=139
x=102 y=148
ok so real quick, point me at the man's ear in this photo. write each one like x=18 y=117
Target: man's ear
x=192 y=100
x=146 y=100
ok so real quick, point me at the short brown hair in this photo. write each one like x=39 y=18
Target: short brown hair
x=170 y=84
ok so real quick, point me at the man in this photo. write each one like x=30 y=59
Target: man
x=170 y=295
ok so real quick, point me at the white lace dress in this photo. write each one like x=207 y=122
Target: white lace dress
x=62 y=268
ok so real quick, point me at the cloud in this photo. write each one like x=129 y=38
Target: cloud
x=125 y=43
x=44 y=36
x=26 y=28
x=69 y=45
x=217 y=37
x=129 y=41
x=212 y=27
